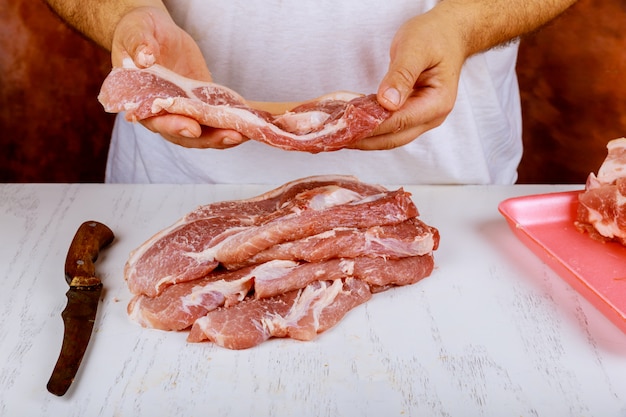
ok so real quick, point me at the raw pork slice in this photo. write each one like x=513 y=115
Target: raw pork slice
x=178 y=306
x=324 y=125
x=290 y=262
x=161 y=260
x=602 y=206
x=300 y=314
x=379 y=273
x=409 y=238
x=232 y=233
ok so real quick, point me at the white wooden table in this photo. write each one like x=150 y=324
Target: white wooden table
x=492 y=332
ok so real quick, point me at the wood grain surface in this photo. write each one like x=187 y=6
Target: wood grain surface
x=492 y=332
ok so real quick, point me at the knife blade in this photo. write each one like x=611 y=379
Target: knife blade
x=83 y=297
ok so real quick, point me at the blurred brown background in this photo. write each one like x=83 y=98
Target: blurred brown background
x=53 y=128
x=572 y=77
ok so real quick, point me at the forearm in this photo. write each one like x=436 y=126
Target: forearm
x=95 y=19
x=487 y=23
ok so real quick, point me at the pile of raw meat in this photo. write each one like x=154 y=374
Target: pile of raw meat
x=288 y=263
x=326 y=124
x=602 y=206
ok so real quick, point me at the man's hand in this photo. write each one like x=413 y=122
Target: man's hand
x=421 y=84
x=428 y=52
x=149 y=36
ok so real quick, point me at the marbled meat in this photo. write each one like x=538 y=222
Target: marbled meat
x=233 y=232
x=320 y=125
x=288 y=263
x=602 y=206
x=299 y=314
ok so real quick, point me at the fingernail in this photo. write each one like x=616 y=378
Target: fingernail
x=186 y=133
x=393 y=96
x=145 y=58
x=227 y=140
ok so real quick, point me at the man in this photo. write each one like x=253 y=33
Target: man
x=445 y=68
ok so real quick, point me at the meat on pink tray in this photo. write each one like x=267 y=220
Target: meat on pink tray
x=602 y=206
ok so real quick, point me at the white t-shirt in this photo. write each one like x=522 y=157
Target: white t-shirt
x=290 y=50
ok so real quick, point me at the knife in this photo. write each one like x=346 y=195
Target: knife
x=82 y=301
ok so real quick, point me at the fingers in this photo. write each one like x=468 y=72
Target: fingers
x=392 y=135
x=150 y=36
x=407 y=62
x=212 y=139
x=397 y=85
x=395 y=138
x=426 y=108
x=186 y=132
x=421 y=83
x=134 y=38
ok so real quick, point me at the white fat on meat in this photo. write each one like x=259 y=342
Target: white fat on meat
x=136 y=314
x=236 y=288
x=421 y=245
x=311 y=300
x=330 y=178
x=242 y=117
x=607 y=227
x=408 y=238
x=347 y=267
x=303 y=122
x=329 y=197
x=333 y=196
x=614 y=166
x=316 y=126
x=603 y=205
x=186 y=84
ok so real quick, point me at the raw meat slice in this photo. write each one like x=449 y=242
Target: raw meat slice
x=178 y=306
x=387 y=208
x=325 y=125
x=291 y=194
x=300 y=314
x=380 y=273
x=232 y=232
x=409 y=238
x=602 y=206
x=290 y=262
x=160 y=261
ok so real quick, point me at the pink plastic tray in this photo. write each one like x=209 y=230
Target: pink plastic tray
x=597 y=270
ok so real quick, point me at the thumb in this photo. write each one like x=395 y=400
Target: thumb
x=399 y=82
x=134 y=38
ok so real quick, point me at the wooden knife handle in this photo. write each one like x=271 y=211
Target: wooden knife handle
x=90 y=238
